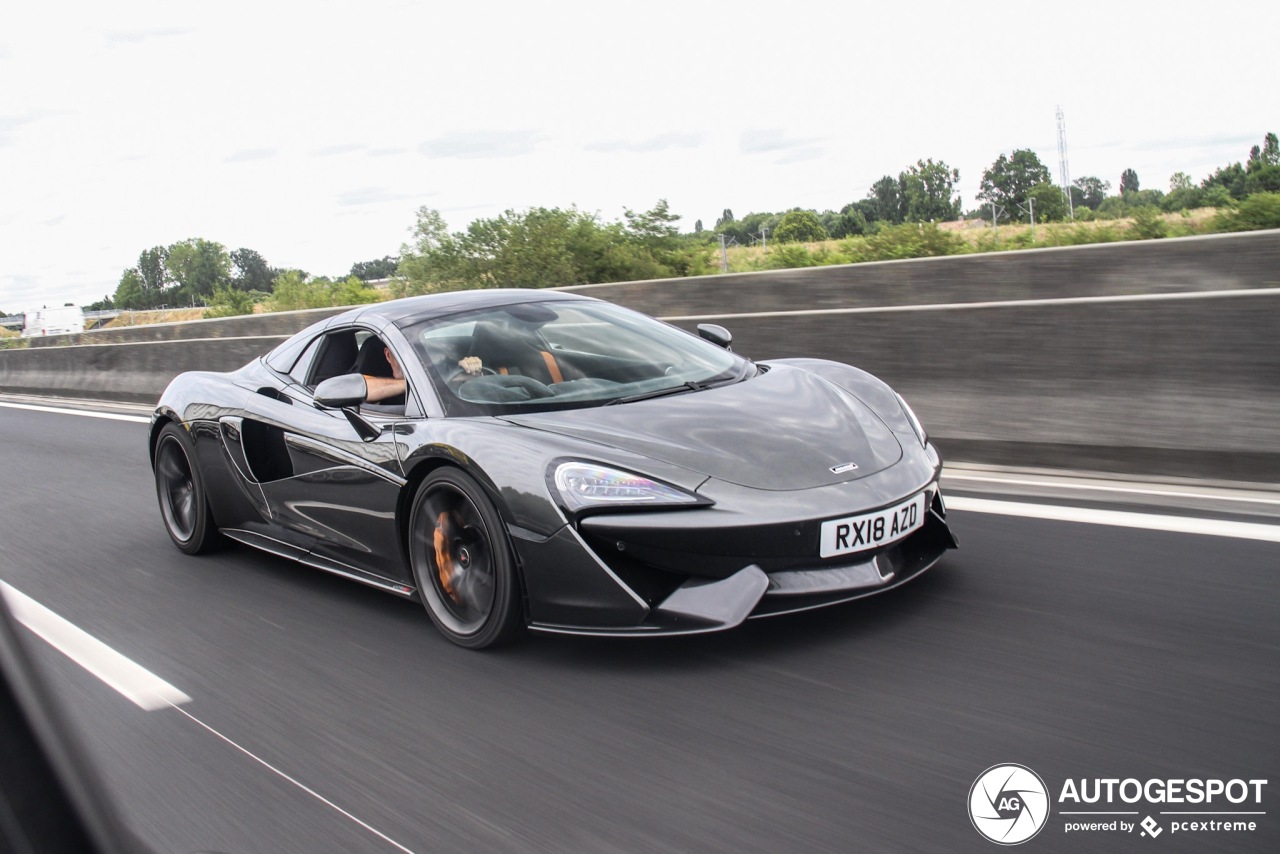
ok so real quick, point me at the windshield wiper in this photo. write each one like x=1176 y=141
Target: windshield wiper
x=662 y=392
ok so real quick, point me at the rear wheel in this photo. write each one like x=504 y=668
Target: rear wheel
x=180 y=488
x=462 y=563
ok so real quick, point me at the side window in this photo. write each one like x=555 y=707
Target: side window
x=303 y=365
x=336 y=356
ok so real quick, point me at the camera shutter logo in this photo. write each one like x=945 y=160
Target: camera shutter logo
x=1008 y=804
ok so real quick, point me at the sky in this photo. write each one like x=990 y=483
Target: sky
x=312 y=132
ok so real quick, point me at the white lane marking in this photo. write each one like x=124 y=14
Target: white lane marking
x=126 y=676
x=131 y=679
x=312 y=792
x=58 y=410
x=1128 y=490
x=1116 y=518
x=957 y=306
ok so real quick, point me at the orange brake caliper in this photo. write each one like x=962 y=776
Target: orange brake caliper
x=444 y=558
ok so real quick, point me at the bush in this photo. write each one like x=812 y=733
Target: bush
x=788 y=256
x=1217 y=196
x=799 y=226
x=229 y=302
x=1148 y=224
x=10 y=340
x=294 y=292
x=1112 y=207
x=1259 y=211
x=1183 y=199
x=912 y=240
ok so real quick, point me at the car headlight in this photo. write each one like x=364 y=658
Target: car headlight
x=915 y=422
x=592 y=486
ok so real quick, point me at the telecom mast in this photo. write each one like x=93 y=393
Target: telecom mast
x=1064 y=174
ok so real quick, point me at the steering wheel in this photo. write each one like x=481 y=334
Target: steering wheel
x=459 y=375
x=533 y=388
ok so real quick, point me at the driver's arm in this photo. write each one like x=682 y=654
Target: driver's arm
x=381 y=388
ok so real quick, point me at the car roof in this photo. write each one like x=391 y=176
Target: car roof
x=410 y=310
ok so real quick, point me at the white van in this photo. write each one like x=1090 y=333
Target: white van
x=66 y=320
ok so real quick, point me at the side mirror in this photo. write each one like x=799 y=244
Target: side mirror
x=341 y=392
x=717 y=335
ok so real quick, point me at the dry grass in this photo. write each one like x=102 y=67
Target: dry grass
x=979 y=236
x=146 y=318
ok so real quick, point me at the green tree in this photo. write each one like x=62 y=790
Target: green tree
x=378 y=268
x=799 y=226
x=1216 y=196
x=1143 y=198
x=1092 y=191
x=1267 y=154
x=130 y=294
x=656 y=227
x=656 y=234
x=543 y=247
x=199 y=267
x=848 y=222
x=928 y=192
x=1050 y=204
x=291 y=291
x=747 y=230
x=1184 y=198
x=1128 y=182
x=251 y=271
x=156 y=280
x=1264 y=179
x=1232 y=177
x=1180 y=181
x=1009 y=179
x=885 y=202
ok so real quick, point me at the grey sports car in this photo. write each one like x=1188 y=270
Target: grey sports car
x=542 y=460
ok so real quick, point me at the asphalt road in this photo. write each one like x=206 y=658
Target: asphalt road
x=328 y=717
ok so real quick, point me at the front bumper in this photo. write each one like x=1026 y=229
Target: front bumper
x=709 y=570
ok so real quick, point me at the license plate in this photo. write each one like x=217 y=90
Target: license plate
x=871 y=530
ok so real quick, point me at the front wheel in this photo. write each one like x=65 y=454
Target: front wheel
x=462 y=563
x=180 y=488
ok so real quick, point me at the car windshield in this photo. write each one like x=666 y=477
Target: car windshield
x=542 y=356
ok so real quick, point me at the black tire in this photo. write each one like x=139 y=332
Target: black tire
x=475 y=599
x=184 y=508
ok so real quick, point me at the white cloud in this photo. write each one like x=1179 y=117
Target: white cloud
x=481 y=144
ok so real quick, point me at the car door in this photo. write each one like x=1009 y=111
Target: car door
x=325 y=486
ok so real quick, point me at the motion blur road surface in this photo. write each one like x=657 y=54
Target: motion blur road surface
x=329 y=717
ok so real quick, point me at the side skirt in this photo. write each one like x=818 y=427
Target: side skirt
x=275 y=547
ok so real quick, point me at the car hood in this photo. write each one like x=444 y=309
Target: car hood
x=783 y=429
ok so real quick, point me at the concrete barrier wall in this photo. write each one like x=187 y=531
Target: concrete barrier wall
x=277 y=323
x=1215 y=262
x=1127 y=358
x=136 y=373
